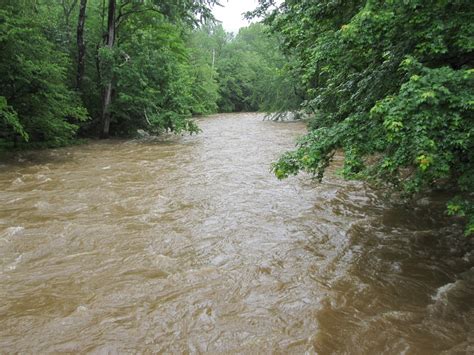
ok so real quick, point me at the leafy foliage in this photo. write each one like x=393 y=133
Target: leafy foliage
x=165 y=63
x=35 y=103
x=158 y=80
x=153 y=80
x=252 y=74
x=391 y=84
x=205 y=45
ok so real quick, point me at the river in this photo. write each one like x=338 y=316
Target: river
x=191 y=245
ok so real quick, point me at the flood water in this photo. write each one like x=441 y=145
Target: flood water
x=191 y=245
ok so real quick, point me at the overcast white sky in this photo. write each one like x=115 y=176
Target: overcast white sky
x=231 y=13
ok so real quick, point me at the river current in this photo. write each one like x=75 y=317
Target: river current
x=190 y=245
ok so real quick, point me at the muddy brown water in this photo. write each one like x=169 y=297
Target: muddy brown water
x=191 y=245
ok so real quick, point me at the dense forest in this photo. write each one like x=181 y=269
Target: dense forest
x=389 y=83
x=95 y=68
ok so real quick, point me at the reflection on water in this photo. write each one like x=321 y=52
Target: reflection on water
x=191 y=245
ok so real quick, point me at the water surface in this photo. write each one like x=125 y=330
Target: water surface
x=191 y=245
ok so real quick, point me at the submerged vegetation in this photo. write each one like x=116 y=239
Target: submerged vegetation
x=390 y=83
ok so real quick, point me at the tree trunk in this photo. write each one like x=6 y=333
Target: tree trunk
x=107 y=95
x=81 y=45
x=68 y=7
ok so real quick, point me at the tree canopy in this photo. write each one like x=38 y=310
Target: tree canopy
x=390 y=83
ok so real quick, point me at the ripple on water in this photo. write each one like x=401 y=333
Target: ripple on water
x=190 y=244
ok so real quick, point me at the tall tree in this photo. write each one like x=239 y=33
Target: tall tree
x=107 y=94
x=81 y=45
x=186 y=12
x=68 y=7
x=35 y=101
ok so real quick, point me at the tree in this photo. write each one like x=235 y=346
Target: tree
x=109 y=45
x=35 y=103
x=81 y=45
x=183 y=11
x=252 y=73
x=390 y=83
